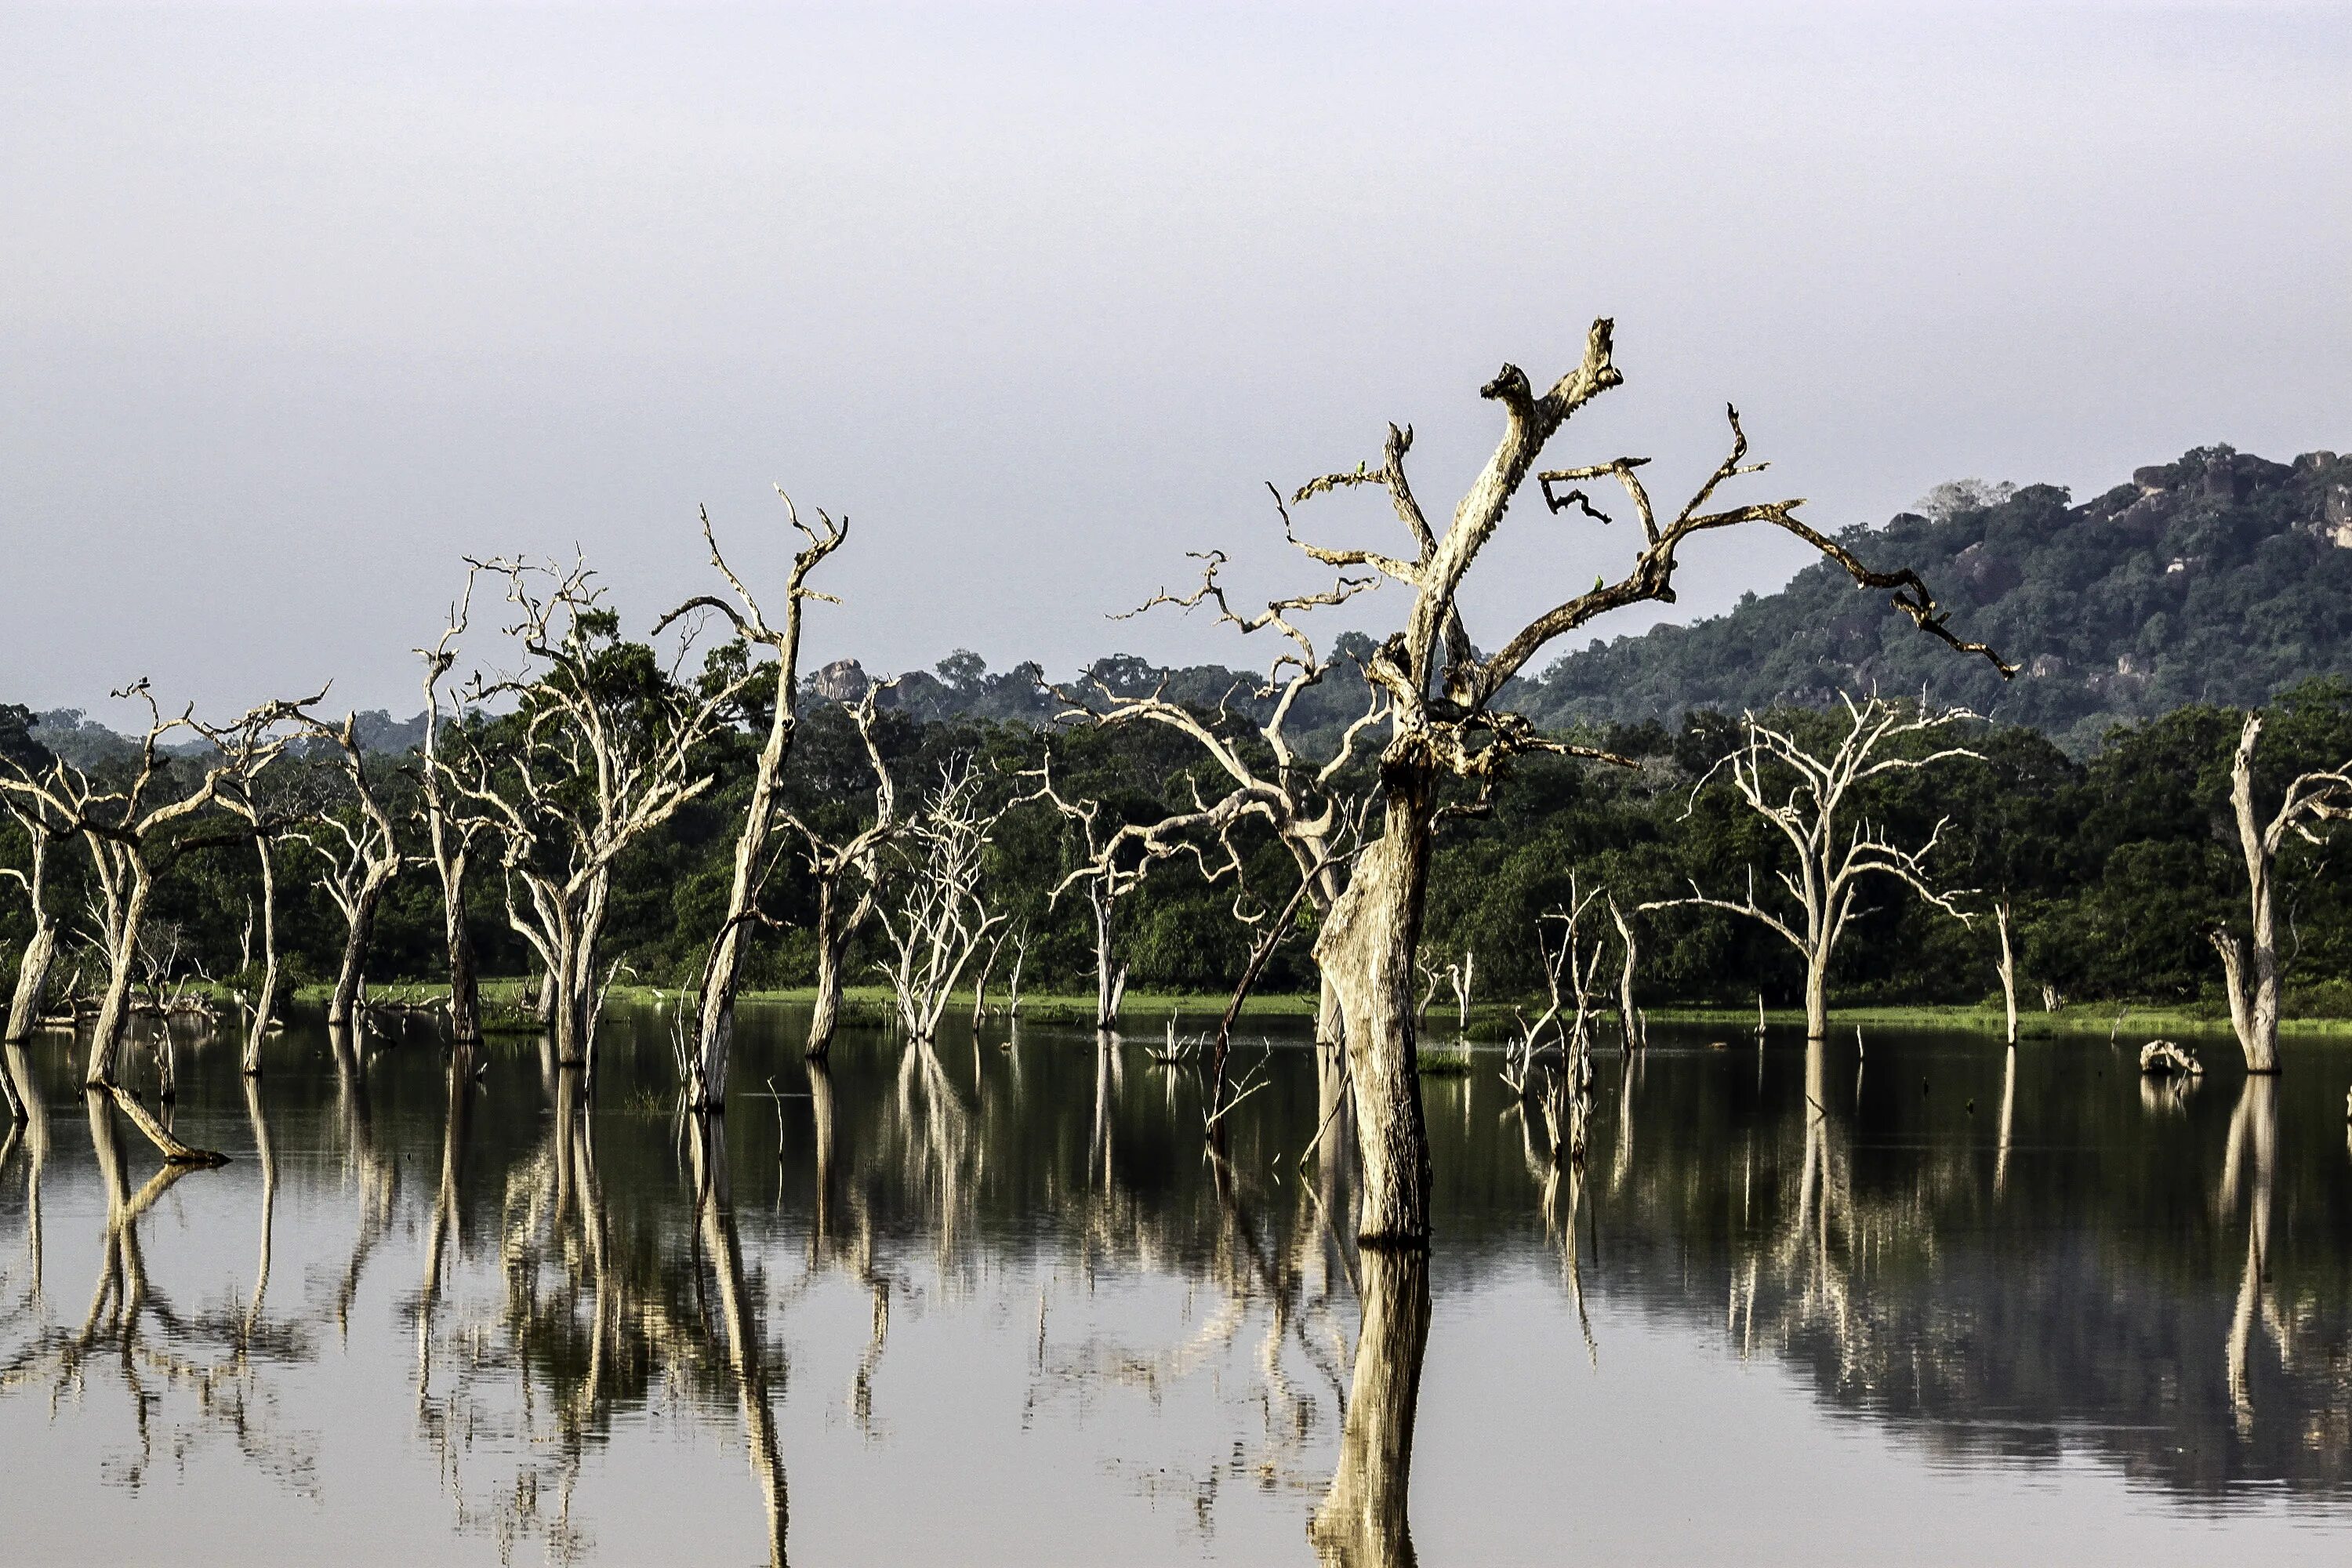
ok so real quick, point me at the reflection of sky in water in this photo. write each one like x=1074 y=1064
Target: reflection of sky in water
x=1867 y=1333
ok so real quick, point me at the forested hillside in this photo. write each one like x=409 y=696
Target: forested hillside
x=2220 y=578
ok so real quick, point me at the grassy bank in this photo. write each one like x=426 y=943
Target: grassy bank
x=504 y=1005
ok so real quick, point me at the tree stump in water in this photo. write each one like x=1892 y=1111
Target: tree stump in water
x=2162 y=1059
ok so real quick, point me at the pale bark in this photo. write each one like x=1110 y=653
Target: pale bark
x=1443 y=723
x=41 y=948
x=2008 y=1115
x=722 y=969
x=451 y=836
x=1633 y=1030
x=591 y=775
x=833 y=932
x=2008 y=965
x=1807 y=799
x=266 y=1004
x=939 y=921
x=2251 y=970
x=1366 y=948
x=839 y=917
x=1362 y=1520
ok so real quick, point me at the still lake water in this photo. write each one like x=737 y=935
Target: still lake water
x=996 y=1304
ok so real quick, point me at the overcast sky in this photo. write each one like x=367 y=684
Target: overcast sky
x=299 y=305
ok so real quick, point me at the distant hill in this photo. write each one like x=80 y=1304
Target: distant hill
x=2219 y=578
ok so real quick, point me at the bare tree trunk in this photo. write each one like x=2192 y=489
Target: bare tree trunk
x=1366 y=950
x=1629 y=1018
x=32 y=980
x=352 y=973
x=2252 y=974
x=832 y=934
x=1362 y=1521
x=1110 y=977
x=114 y=1007
x=464 y=983
x=2007 y=967
x=1817 y=993
x=267 y=1000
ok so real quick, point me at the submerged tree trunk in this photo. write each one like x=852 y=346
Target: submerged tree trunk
x=1629 y=1018
x=1817 y=993
x=833 y=930
x=1111 y=975
x=2251 y=972
x=465 y=984
x=352 y=973
x=1366 y=950
x=267 y=1000
x=1362 y=1523
x=2007 y=967
x=114 y=1007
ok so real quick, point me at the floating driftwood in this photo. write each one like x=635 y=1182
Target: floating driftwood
x=2162 y=1059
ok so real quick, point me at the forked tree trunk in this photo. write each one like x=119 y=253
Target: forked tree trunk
x=352 y=973
x=1110 y=976
x=2251 y=971
x=1362 y=1523
x=114 y=1007
x=833 y=930
x=1629 y=1018
x=1365 y=950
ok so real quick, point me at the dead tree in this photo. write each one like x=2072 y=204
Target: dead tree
x=1107 y=882
x=847 y=879
x=1810 y=800
x=247 y=752
x=38 y=823
x=2007 y=964
x=1635 y=1026
x=2251 y=971
x=450 y=830
x=1312 y=806
x=722 y=969
x=1443 y=724
x=937 y=922
x=131 y=834
x=601 y=755
x=361 y=854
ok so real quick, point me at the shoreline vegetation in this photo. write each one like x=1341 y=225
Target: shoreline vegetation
x=1147 y=1012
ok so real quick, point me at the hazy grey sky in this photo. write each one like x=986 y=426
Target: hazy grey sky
x=298 y=305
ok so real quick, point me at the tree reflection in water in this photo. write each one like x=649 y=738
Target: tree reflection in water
x=2026 y=1260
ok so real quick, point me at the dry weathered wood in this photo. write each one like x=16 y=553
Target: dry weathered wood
x=595 y=771
x=1443 y=723
x=34 y=818
x=174 y=1151
x=848 y=877
x=723 y=966
x=1806 y=799
x=449 y=831
x=2251 y=969
x=2162 y=1059
x=2007 y=967
x=937 y=921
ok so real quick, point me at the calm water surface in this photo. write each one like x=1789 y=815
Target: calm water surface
x=996 y=1303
